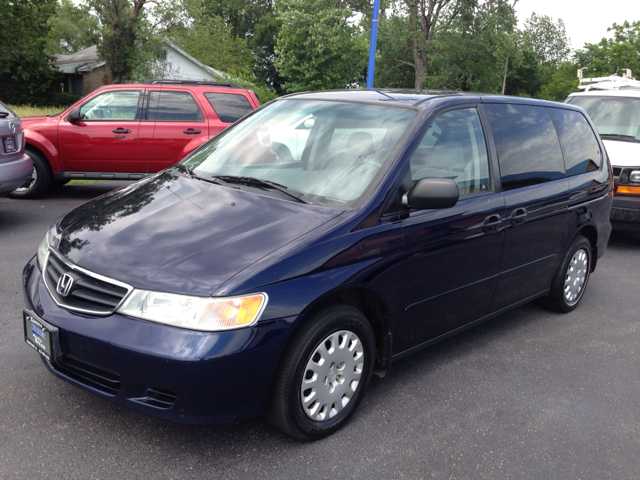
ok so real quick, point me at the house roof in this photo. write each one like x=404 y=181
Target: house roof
x=82 y=61
x=87 y=60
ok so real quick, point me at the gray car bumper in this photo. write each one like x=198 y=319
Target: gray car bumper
x=15 y=173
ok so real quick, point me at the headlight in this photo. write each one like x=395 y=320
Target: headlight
x=634 y=176
x=43 y=249
x=207 y=314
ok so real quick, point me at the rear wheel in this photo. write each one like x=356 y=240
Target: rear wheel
x=571 y=278
x=323 y=374
x=40 y=179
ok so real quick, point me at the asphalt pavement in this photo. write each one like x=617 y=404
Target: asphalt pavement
x=529 y=395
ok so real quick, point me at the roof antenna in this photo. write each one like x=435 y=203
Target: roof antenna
x=381 y=93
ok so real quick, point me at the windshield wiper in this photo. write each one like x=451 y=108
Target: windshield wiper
x=620 y=136
x=257 y=182
x=184 y=168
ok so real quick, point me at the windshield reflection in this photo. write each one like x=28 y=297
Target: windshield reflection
x=327 y=152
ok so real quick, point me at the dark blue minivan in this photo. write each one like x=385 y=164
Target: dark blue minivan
x=313 y=243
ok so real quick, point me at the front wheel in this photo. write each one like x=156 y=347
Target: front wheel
x=323 y=374
x=40 y=179
x=571 y=278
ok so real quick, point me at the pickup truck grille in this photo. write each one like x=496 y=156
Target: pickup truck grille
x=81 y=290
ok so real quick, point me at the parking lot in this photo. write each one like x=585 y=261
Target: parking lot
x=531 y=394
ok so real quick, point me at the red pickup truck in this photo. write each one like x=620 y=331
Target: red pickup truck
x=128 y=131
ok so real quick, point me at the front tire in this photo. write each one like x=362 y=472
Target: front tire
x=323 y=374
x=40 y=179
x=571 y=278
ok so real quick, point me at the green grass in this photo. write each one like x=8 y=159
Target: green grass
x=82 y=182
x=27 y=111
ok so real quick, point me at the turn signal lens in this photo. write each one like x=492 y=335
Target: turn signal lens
x=628 y=189
x=207 y=314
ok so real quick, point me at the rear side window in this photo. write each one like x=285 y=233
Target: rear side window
x=173 y=107
x=579 y=144
x=229 y=107
x=528 y=147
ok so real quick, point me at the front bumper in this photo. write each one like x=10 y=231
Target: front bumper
x=625 y=213
x=15 y=173
x=170 y=373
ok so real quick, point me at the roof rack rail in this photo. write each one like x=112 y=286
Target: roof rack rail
x=612 y=82
x=161 y=81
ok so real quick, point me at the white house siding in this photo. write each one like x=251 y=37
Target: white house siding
x=178 y=67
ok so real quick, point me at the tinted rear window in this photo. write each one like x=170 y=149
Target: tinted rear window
x=173 y=107
x=579 y=144
x=229 y=107
x=528 y=147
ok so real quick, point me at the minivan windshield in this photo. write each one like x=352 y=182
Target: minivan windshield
x=614 y=117
x=324 y=153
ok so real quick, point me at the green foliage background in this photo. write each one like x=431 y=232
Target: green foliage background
x=280 y=46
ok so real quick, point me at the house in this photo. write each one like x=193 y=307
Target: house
x=84 y=71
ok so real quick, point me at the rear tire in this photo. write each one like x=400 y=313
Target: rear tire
x=323 y=373
x=40 y=180
x=570 y=280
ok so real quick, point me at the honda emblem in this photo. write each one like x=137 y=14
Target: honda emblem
x=64 y=284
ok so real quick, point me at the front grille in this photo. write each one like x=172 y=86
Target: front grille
x=617 y=171
x=89 y=375
x=86 y=292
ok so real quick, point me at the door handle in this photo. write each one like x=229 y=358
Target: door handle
x=518 y=216
x=121 y=130
x=191 y=131
x=492 y=223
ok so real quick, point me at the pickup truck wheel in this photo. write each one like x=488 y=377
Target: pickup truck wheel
x=323 y=374
x=40 y=179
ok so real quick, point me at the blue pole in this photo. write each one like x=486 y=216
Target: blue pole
x=372 y=43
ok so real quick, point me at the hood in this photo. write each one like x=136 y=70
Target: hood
x=622 y=153
x=177 y=234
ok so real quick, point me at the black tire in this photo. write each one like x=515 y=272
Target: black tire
x=337 y=325
x=40 y=180
x=570 y=280
x=60 y=183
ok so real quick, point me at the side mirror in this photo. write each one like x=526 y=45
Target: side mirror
x=75 y=115
x=432 y=193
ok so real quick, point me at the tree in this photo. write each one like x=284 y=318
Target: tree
x=611 y=56
x=256 y=22
x=26 y=76
x=563 y=82
x=474 y=51
x=211 y=41
x=547 y=39
x=317 y=47
x=73 y=28
x=127 y=36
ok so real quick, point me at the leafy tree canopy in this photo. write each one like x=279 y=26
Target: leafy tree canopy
x=611 y=56
x=318 y=48
x=73 y=28
x=25 y=74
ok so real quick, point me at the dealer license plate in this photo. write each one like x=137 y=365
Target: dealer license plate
x=10 y=144
x=40 y=335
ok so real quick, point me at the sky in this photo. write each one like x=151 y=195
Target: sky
x=586 y=21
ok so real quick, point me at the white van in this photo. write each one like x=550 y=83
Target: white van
x=613 y=103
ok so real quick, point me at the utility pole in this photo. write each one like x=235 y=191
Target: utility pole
x=372 y=43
